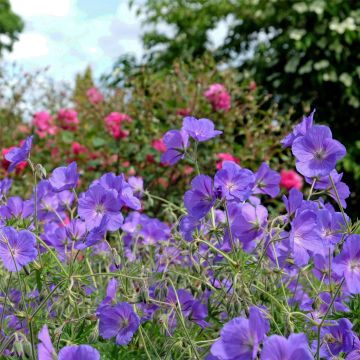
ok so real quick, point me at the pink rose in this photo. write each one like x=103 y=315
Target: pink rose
x=68 y=119
x=44 y=124
x=218 y=97
x=290 y=179
x=113 y=125
x=158 y=145
x=94 y=96
x=225 y=157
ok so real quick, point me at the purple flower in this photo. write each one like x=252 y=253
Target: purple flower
x=46 y=349
x=95 y=235
x=299 y=130
x=22 y=245
x=97 y=203
x=279 y=348
x=188 y=225
x=234 y=183
x=153 y=230
x=240 y=338
x=305 y=237
x=355 y=353
x=19 y=154
x=176 y=143
x=267 y=181
x=137 y=185
x=121 y=189
x=317 y=152
x=200 y=130
x=64 y=177
x=199 y=313
x=199 y=200
x=324 y=183
x=78 y=352
x=294 y=201
x=336 y=338
x=249 y=223
x=5 y=186
x=16 y=207
x=347 y=263
x=120 y=321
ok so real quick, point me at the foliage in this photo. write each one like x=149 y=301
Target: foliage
x=246 y=270
x=306 y=53
x=253 y=126
x=11 y=26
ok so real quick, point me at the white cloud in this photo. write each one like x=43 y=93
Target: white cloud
x=60 y=35
x=30 y=45
x=30 y=8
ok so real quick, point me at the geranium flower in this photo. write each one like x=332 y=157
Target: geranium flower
x=46 y=349
x=23 y=248
x=120 y=321
x=317 y=152
x=64 y=177
x=18 y=155
x=347 y=263
x=94 y=95
x=176 y=143
x=279 y=348
x=199 y=200
x=97 y=203
x=266 y=181
x=200 y=129
x=240 y=338
x=233 y=182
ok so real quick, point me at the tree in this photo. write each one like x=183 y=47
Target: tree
x=305 y=52
x=11 y=26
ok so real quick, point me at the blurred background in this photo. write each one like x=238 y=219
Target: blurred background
x=154 y=60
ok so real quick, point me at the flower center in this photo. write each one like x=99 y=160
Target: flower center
x=354 y=265
x=100 y=209
x=319 y=155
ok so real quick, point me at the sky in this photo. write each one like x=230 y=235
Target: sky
x=68 y=35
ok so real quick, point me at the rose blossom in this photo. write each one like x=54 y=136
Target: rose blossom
x=290 y=179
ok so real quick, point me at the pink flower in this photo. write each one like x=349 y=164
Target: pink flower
x=113 y=124
x=290 y=179
x=44 y=124
x=78 y=149
x=158 y=145
x=68 y=119
x=218 y=97
x=225 y=157
x=94 y=96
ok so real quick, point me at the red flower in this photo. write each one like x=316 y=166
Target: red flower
x=290 y=179
x=226 y=157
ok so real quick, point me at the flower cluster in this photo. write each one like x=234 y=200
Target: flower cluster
x=113 y=124
x=218 y=97
x=234 y=272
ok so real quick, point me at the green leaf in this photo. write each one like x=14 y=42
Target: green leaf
x=292 y=64
x=346 y=79
x=98 y=142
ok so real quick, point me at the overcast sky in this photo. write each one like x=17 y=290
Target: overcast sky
x=68 y=35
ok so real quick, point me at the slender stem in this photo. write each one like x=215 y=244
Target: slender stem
x=231 y=261
x=324 y=318
x=229 y=227
x=165 y=201
x=311 y=189
x=5 y=300
x=339 y=203
x=53 y=255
